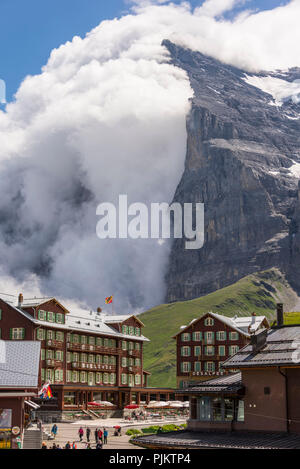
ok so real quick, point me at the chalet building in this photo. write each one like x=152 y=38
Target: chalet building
x=206 y=343
x=19 y=376
x=85 y=356
x=263 y=396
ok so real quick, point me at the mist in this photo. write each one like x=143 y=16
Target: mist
x=106 y=116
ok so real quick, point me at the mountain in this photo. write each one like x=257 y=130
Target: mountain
x=255 y=293
x=242 y=162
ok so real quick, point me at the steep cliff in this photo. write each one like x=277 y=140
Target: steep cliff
x=242 y=155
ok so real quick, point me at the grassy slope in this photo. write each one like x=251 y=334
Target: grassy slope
x=254 y=293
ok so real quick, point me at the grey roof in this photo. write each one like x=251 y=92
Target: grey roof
x=282 y=348
x=220 y=440
x=225 y=384
x=240 y=324
x=19 y=364
x=83 y=321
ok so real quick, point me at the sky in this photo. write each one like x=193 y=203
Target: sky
x=30 y=29
x=106 y=116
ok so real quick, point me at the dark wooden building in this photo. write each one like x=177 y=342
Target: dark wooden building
x=19 y=375
x=86 y=356
x=210 y=340
x=263 y=396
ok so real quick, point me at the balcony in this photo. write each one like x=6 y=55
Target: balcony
x=51 y=343
x=93 y=348
x=94 y=367
x=52 y=363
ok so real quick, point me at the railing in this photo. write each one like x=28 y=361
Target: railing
x=93 y=348
x=54 y=343
x=53 y=363
x=93 y=366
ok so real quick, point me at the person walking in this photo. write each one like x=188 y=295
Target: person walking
x=54 y=430
x=105 y=435
x=100 y=435
x=74 y=446
x=80 y=433
x=88 y=433
x=96 y=435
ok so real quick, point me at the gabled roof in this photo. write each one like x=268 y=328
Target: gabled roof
x=282 y=348
x=119 y=319
x=226 y=384
x=35 y=302
x=238 y=323
x=19 y=364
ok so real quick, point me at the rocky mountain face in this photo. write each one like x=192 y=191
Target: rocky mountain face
x=243 y=152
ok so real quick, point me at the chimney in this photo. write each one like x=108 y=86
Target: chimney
x=259 y=340
x=279 y=308
x=20 y=300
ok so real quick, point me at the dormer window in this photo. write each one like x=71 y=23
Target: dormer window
x=60 y=318
x=209 y=322
x=42 y=315
x=51 y=316
x=124 y=329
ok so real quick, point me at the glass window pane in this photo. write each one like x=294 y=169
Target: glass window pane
x=228 y=409
x=216 y=409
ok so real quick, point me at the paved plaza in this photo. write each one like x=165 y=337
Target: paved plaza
x=69 y=432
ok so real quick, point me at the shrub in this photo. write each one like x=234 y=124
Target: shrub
x=133 y=431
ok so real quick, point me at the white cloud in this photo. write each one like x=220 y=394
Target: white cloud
x=216 y=7
x=107 y=116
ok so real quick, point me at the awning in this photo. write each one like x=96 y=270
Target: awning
x=32 y=404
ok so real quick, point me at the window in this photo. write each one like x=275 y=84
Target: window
x=131 y=345
x=185 y=351
x=112 y=360
x=40 y=334
x=49 y=375
x=137 y=331
x=69 y=376
x=124 y=362
x=185 y=367
x=60 y=336
x=59 y=355
x=98 y=359
x=99 y=341
x=197 y=351
x=69 y=357
x=124 y=345
x=112 y=378
x=0 y=314
x=124 y=378
x=137 y=362
x=75 y=339
x=42 y=315
x=137 y=346
x=98 y=378
x=43 y=354
x=50 y=354
x=83 y=339
x=91 y=358
x=59 y=375
x=197 y=366
x=105 y=378
x=197 y=336
x=105 y=360
x=43 y=374
x=106 y=342
x=186 y=337
x=60 y=318
x=91 y=340
x=83 y=358
x=83 y=377
x=209 y=366
x=209 y=337
x=51 y=316
x=124 y=329
x=17 y=333
x=75 y=376
x=219 y=409
x=209 y=321
x=233 y=336
x=233 y=349
x=131 y=330
x=137 y=379
x=221 y=335
x=209 y=350
x=50 y=334
x=221 y=350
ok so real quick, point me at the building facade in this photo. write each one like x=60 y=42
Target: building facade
x=262 y=397
x=210 y=340
x=85 y=356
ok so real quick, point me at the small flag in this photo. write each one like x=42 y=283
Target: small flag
x=108 y=300
x=45 y=392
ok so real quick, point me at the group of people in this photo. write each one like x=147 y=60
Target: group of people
x=101 y=437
